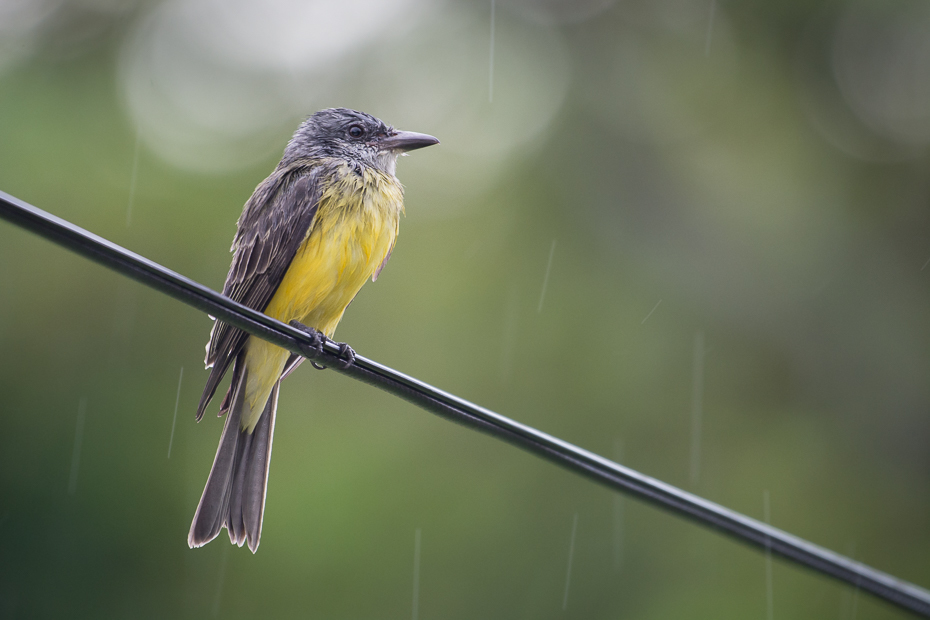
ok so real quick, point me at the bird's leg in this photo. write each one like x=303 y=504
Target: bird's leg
x=346 y=353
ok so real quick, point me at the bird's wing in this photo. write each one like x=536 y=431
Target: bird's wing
x=384 y=261
x=377 y=272
x=274 y=223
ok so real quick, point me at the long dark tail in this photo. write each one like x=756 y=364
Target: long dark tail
x=234 y=497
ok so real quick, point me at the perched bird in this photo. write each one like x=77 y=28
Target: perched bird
x=309 y=237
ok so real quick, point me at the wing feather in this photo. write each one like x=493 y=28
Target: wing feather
x=274 y=223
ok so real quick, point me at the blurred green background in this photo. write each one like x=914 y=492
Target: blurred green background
x=689 y=234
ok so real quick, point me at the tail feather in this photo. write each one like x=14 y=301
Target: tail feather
x=234 y=496
x=257 y=481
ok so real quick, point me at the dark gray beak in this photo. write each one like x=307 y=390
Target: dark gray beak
x=406 y=141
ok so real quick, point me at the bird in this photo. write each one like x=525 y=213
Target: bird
x=312 y=233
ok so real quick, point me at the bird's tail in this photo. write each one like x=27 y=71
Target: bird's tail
x=234 y=496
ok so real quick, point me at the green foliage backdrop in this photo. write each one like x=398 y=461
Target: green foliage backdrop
x=736 y=201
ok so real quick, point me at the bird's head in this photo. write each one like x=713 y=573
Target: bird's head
x=355 y=136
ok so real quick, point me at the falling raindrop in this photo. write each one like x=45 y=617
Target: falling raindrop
x=697 y=404
x=219 y=586
x=769 y=600
x=491 y=57
x=132 y=182
x=78 y=440
x=509 y=335
x=416 y=574
x=710 y=27
x=651 y=311
x=618 y=514
x=177 y=399
x=571 y=553
x=542 y=295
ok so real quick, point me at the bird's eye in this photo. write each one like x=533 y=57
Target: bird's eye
x=355 y=131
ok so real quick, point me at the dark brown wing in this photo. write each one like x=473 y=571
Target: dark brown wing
x=274 y=222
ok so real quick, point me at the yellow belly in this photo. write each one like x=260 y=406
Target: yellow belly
x=353 y=232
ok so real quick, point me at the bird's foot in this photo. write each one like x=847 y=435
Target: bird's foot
x=346 y=355
x=316 y=338
x=319 y=339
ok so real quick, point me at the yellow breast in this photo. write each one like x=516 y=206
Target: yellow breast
x=353 y=233
x=354 y=229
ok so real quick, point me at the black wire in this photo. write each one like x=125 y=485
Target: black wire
x=451 y=407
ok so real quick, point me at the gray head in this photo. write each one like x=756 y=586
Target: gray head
x=354 y=136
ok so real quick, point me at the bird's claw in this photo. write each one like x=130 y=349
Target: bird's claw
x=319 y=339
x=316 y=339
x=346 y=355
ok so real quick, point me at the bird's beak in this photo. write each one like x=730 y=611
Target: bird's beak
x=406 y=141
